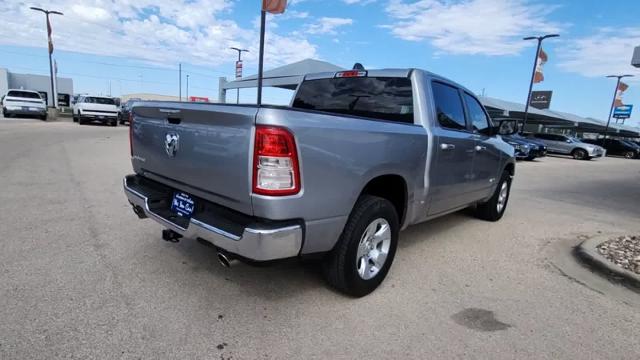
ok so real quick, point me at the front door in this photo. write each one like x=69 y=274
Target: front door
x=451 y=171
x=487 y=155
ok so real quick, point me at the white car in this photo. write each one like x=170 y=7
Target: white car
x=96 y=108
x=23 y=102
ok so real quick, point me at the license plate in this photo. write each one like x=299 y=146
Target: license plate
x=34 y=109
x=100 y=117
x=183 y=204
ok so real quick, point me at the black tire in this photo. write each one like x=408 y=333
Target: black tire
x=43 y=117
x=579 y=154
x=629 y=155
x=489 y=210
x=80 y=122
x=340 y=265
x=114 y=123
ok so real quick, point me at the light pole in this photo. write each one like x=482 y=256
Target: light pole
x=240 y=51
x=533 y=73
x=613 y=103
x=187 y=87
x=50 y=47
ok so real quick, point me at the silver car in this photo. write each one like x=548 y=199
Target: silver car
x=567 y=145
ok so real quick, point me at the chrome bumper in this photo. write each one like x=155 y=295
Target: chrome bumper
x=259 y=243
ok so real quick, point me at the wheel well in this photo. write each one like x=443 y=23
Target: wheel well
x=576 y=149
x=510 y=168
x=392 y=188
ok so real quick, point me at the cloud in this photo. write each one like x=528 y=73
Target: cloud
x=487 y=27
x=157 y=31
x=606 y=52
x=328 y=25
x=360 y=2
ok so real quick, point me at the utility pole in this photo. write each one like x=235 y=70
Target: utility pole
x=187 y=87
x=240 y=51
x=613 y=103
x=533 y=73
x=50 y=41
x=180 y=81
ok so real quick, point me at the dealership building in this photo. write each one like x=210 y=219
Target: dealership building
x=39 y=83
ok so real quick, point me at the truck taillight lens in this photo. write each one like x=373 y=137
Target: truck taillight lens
x=131 y=132
x=275 y=162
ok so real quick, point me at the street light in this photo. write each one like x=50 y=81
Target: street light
x=613 y=102
x=533 y=73
x=240 y=51
x=50 y=47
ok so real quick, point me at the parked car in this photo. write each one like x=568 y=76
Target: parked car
x=125 y=110
x=95 y=108
x=617 y=147
x=567 y=145
x=24 y=102
x=526 y=148
x=357 y=157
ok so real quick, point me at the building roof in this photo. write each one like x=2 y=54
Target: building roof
x=287 y=76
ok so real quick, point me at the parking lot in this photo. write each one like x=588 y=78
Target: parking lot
x=82 y=277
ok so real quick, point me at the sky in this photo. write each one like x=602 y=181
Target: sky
x=132 y=46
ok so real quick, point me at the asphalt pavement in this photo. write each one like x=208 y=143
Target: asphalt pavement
x=82 y=277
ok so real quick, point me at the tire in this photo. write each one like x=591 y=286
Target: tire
x=346 y=268
x=114 y=123
x=629 y=155
x=530 y=158
x=490 y=210
x=43 y=117
x=579 y=154
x=80 y=122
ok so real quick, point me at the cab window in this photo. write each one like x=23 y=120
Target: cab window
x=449 y=109
x=478 y=117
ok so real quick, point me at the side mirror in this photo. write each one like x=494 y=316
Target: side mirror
x=506 y=127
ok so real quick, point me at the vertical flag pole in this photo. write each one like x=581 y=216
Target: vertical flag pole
x=263 y=16
x=533 y=74
x=613 y=104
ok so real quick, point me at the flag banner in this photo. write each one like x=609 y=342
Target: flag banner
x=49 y=36
x=274 y=6
x=622 y=87
x=542 y=59
x=238 y=69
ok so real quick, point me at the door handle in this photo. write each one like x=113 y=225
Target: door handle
x=447 y=146
x=480 y=148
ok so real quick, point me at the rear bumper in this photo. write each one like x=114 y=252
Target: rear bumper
x=239 y=234
x=100 y=118
x=23 y=111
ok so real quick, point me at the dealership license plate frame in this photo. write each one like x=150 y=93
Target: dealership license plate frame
x=183 y=204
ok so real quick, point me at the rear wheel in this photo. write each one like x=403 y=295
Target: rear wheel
x=364 y=253
x=80 y=122
x=579 y=154
x=629 y=155
x=494 y=208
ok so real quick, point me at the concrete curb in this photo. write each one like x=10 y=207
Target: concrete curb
x=587 y=253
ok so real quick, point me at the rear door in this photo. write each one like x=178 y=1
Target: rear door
x=451 y=172
x=201 y=149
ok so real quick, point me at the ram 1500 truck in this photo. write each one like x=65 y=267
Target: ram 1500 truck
x=356 y=157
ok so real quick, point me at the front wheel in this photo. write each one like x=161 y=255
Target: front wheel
x=579 y=154
x=364 y=253
x=494 y=208
x=629 y=155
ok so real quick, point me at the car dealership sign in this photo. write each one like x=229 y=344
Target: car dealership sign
x=622 y=112
x=541 y=99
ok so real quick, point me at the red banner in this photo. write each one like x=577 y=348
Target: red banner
x=274 y=6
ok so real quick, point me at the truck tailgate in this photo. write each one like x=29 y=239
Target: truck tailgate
x=213 y=152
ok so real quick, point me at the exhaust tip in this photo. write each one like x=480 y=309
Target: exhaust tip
x=224 y=260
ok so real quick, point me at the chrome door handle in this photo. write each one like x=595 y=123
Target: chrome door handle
x=447 y=146
x=480 y=148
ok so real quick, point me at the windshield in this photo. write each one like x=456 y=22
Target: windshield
x=374 y=97
x=99 y=100
x=24 y=94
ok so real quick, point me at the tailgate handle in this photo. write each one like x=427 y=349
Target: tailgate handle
x=174 y=120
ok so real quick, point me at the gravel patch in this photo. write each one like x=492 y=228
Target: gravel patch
x=623 y=251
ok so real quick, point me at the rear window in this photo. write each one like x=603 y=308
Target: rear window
x=24 y=94
x=373 y=97
x=99 y=100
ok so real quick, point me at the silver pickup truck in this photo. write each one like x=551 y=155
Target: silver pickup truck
x=358 y=156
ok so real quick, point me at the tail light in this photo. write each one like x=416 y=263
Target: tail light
x=275 y=162
x=131 y=132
